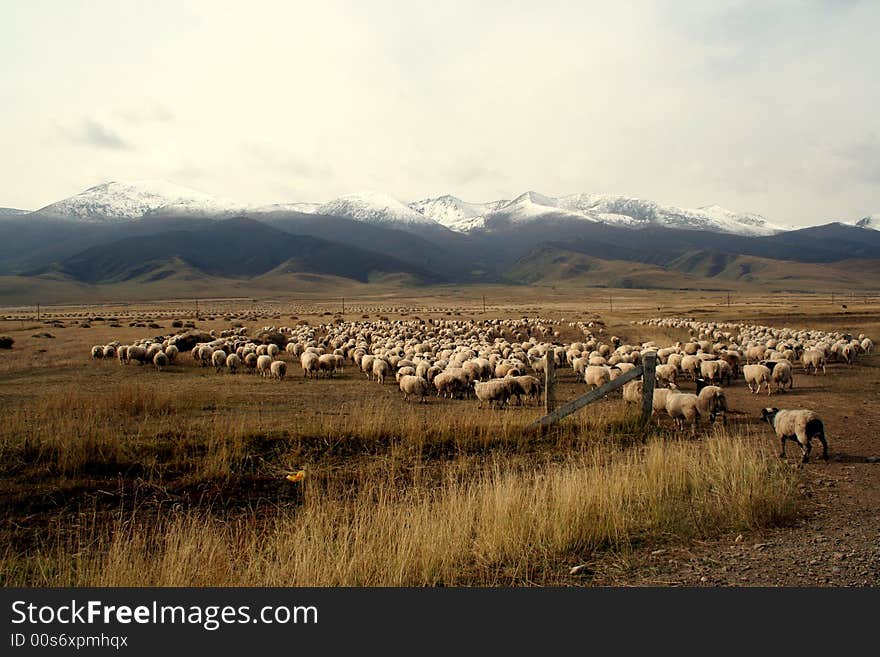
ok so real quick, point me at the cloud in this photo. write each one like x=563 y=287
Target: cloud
x=90 y=132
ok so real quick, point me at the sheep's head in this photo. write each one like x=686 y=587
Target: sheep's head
x=769 y=414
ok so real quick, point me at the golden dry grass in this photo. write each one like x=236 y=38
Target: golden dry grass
x=504 y=524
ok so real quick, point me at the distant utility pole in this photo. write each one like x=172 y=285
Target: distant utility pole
x=38 y=312
x=343 y=305
x=484 y=303
x=611 y=303
x=728 y=299
x=197 y=308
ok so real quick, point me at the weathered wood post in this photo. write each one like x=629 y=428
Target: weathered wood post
x=649 y=364
x=549 y=382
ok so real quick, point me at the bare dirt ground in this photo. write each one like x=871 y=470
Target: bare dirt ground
x=834 y=541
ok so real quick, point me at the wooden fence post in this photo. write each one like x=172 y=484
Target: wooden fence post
x=649 y=364
x=549 y=382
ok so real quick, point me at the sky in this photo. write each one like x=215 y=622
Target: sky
x=767 y=107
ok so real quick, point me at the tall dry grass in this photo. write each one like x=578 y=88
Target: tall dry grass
x=507 y=523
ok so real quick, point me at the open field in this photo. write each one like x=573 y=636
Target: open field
x=122 y=475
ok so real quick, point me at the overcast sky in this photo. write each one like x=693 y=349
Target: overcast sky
x=757 y=106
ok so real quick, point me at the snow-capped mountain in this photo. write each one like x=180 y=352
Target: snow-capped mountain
x=374 y=208
x=119 y=202
x=871 y=221
x=454 y=213
x=127 y=201
x=303 y=208
x=618 y=210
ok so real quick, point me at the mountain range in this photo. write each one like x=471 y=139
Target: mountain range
x=147 y=231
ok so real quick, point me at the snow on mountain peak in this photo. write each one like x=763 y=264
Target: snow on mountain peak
x=454 y=213
x=375 y=208
x=129 y=200
x=872 y=221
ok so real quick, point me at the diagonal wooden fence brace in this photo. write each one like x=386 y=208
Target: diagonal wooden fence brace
x=648 y=367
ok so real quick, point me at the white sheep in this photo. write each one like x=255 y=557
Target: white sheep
x=666 y=374
x=813 y=359
x=756 y=375
x=264 y=365
x=233 y=362
x=160 y=360
x=218 y=359
x=278 y=369
x=799 y=425
x=596 y=376
x=309 y=363
x=494 y=391
x=411 y=384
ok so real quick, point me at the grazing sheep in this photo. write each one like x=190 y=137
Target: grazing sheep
x=494 y=391
x=109 y=351
x=867 y=345
x=658 y=403
x=309 y=363
x=171 y=351
x=98 y=352
x=137 y=354
x=756 y=375
x=278 y=369
x=782 y=375
x=264 y=365
x=272 y=350
x=411 y=384
x=381 y=369
x=632 y=392
x=448 y=384
x=218 y=360
x=250 y=361
x=813 y=359
x=327 y=363
x=233 y=362
x=525 y=385
x=799 y=425
x=686 y=407
x=596 y=376
x=160 y=360
x=666 y=374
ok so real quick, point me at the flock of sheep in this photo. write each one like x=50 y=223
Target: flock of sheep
x=502 y=361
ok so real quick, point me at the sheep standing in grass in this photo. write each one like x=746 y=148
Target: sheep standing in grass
x=250 y=362
x=632 y=392
x=528 y=386
x=686 y=407
x=596 y=376
x=799 y=425
x=381 y=369
x=233 y=362
x=658 y=404
x=218 y=360
x=755 y=375
x=171 y=351
x=160 y=360
x=264 y=365
x=411 y=384
x=666 y=375
x=98 y=352
x=309 y=363
x=278 y=369
x=495 y=391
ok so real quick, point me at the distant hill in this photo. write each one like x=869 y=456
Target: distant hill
x=236 y=247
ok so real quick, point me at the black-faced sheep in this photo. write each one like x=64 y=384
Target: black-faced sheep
x=799 y=425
